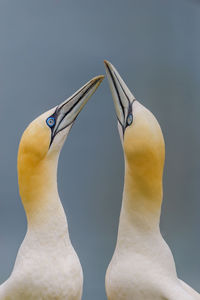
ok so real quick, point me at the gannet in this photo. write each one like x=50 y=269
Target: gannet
x=142 y=266
x=47 y=266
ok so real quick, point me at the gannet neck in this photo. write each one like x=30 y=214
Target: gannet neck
x=142 y=196
x=38 y=190
x=141 y=205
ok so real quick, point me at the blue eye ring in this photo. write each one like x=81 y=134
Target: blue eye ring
x=51 y=121
x=129 y=119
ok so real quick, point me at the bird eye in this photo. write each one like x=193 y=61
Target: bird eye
x=51 y=121
x=129 y=119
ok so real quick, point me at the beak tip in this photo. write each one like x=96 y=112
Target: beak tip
x=101 y=77
x=98 y=79
x=106 y=62
x=109 y=67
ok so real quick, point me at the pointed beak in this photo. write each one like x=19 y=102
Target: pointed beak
x=122 y=97
x=66 y=113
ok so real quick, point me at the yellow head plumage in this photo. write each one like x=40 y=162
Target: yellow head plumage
x=144 y=150
x=33 y=155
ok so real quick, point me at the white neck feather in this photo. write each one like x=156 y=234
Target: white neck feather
x=48 y=225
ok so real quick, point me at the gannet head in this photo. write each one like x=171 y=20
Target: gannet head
x=140 y=133
x=43 y=139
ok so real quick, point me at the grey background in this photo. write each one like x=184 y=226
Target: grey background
x=50 y=48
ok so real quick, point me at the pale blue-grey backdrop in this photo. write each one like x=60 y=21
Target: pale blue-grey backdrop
x=48 y=49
